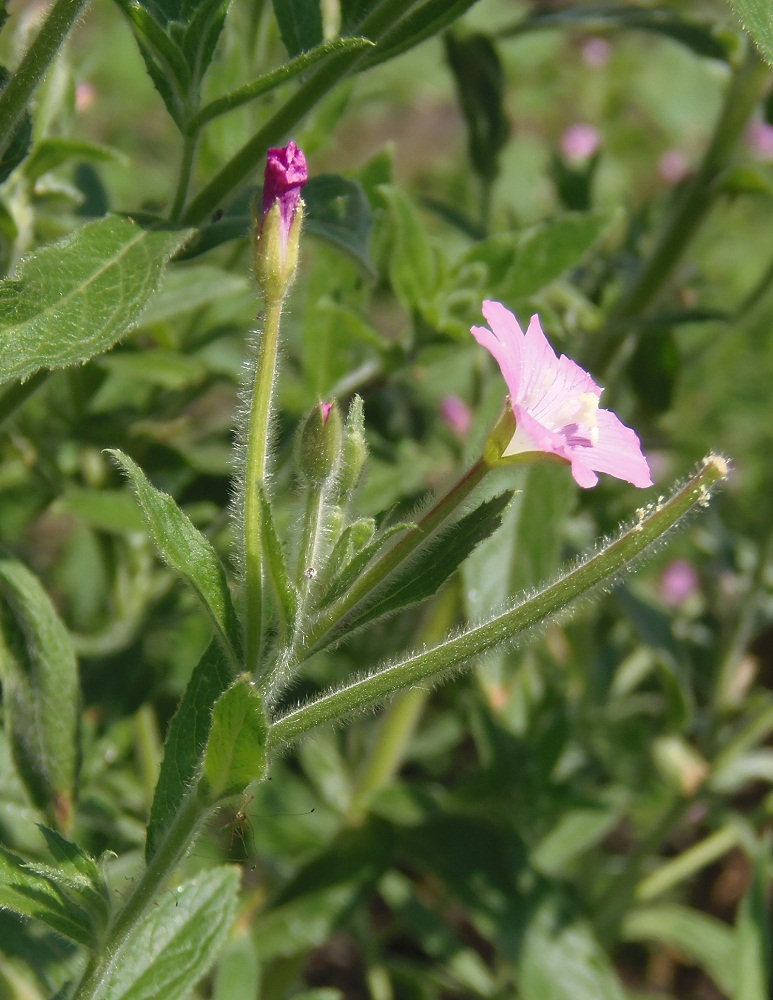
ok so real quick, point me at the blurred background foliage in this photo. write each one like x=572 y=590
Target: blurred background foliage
x=588 y=817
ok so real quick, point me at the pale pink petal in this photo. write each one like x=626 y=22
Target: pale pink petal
x=618 y=452
x=555 y=404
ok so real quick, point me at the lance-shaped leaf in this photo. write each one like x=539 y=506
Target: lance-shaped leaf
x=77 y=298
x=188 y=552
x=35 y=894
x=168 y=953
x=236 y=749
x=40 y=691
x=185 y=742
x=284 y=590
x=754 y=967
x=300 y=24
x=435 y=562
x=598 y=569
x=757 y=17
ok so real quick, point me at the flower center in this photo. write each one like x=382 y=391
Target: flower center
x=577 y=419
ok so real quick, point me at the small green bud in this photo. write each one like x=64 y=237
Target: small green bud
x=319 y=444
x=355 y=450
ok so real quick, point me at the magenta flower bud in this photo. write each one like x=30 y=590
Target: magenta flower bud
x=579 y=142
x=277 y=231
x=673 y=166
x=456 y=414
x=679 y=582
x=759 y=138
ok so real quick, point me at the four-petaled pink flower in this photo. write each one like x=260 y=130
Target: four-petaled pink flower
x=286 y=173
x=555 y=404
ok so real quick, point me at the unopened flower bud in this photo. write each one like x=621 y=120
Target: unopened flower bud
x=278 y=224
x=319 y=446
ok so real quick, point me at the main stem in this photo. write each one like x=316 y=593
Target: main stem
x=187 y=822
x=254 y=476
x=696 y=199
x=17 y=93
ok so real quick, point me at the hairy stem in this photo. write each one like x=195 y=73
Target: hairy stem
x=258 y=432
x=432 y=664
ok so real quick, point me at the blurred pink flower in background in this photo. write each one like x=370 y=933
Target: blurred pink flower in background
x=456 y=414
x=759 y=138
x=673 y=166
x=679 y=581
x=85 y=95
x=595 y=52
x=579 y=142
x=556 y=404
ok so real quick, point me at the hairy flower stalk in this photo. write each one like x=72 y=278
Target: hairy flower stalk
x=599 y=569
x=277 y=234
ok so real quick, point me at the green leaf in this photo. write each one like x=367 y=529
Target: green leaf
x=435 y=562
x=177 y=943
x=413 y=269
x=704 y=940
x=480 y=88
x=186 y=740
x=188 y=552
x=560 y=959
x=76 y=298
x=53 y=152
x=338 y=212
x=21 y=140
x=114 y=511
x=40 y=691
x=284 y=590
x=191 y=287
x=757 y=18
x=236 y=748
x=350 y=570
x=282 y=74
x=576 y=831
x=300 y=24
x=31 y=894
x=753 y=969
x=156 y=366
x=546 y=251
x=424 y=21
x=78 y=878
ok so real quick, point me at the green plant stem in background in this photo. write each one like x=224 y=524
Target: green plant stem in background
x=258 y=430
x=184 y=176
x=176 y=842
x=399 y=721
x=17 y=93
x=314 y=88
x=688 y=863
x=434 y=663
x=17 y=393
x=742 y=97
x=435 y=517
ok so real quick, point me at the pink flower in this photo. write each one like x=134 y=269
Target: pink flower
x=595 y=52
x=679 y=582
x=579 y=142
x=286 y=173
x=556 y=404
x=456 y=413
x=673 y=166
x=759 y=137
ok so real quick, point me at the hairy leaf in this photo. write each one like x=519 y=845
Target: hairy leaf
x=300 y=24
x=185 y=742
x=76 y=298
x=188 y=552
x=236 y=749
x=168 y=953
x=40 y=691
